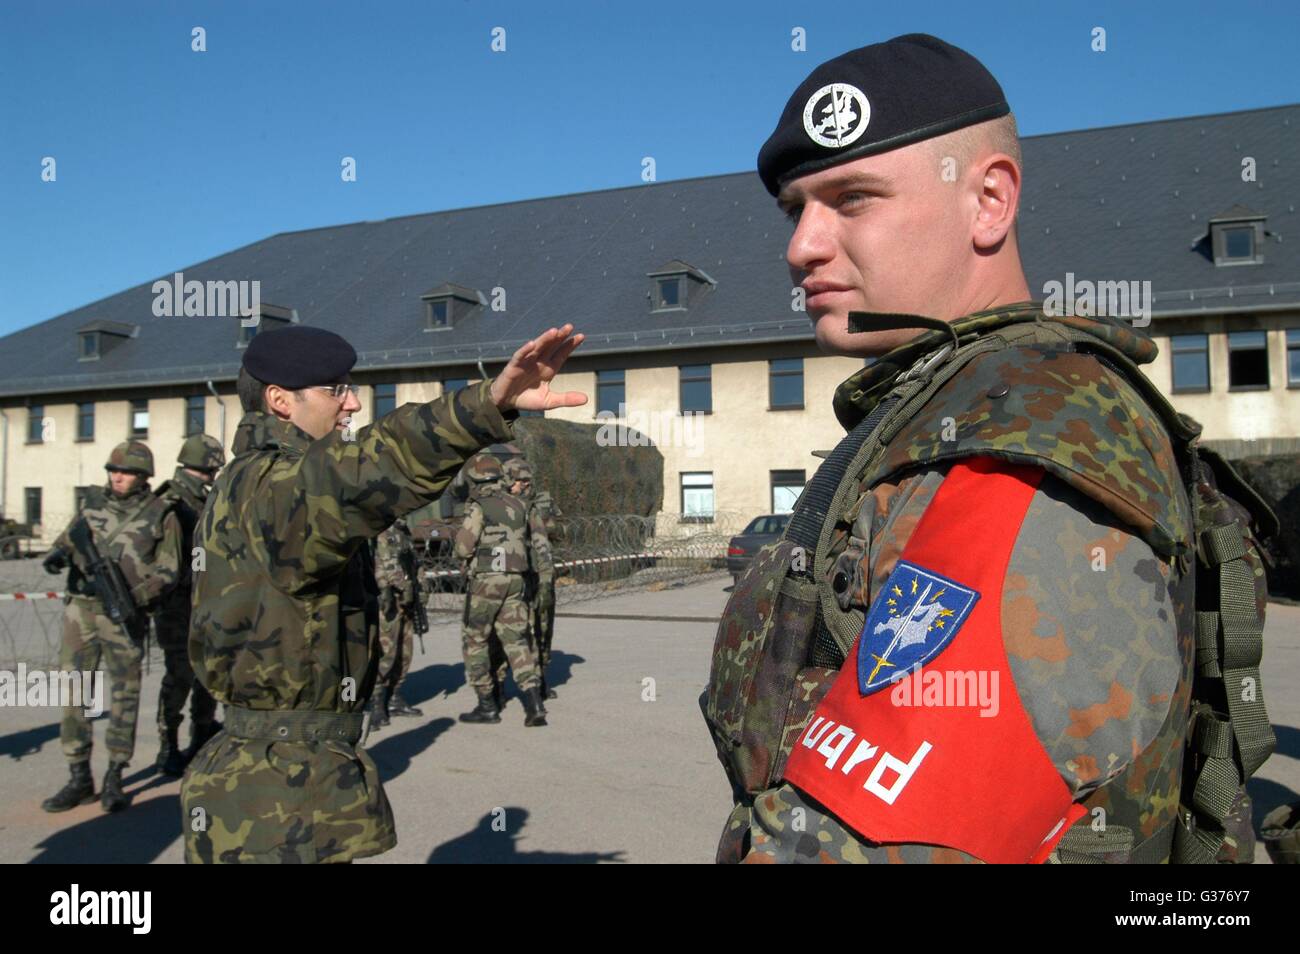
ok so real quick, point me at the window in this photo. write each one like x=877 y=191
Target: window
x=1191 y=362
x=140 y=417
x=768 y=525
x=195 y=415
x=79 y=497
x=1293 y=357
x=787 y=485
x=1247 y=361
x=440 y=313
x=36 y=424
x=697 y=497
x=32 y=500
x=611 y=392
x=89 y=346
x=454 y=384
x=86 y=420
x=247 y=333
x=696 y=388
x=385 y=399
x=668 y=293
x=1239 y=243
x=785 y=383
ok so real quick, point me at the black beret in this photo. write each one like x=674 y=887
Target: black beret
x=875 y=99
x=299 y=357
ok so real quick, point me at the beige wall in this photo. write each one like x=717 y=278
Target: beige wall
x=1224 y=414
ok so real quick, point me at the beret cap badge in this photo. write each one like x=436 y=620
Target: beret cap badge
x=836 y=115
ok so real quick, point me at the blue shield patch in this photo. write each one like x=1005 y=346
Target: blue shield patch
x=911 y=621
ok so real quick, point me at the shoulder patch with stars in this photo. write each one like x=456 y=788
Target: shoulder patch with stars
x=914 y=619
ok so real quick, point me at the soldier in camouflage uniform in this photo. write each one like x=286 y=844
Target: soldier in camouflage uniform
x=542 y=606
x=394 y=551
x=200 y=458
x=285 y=630
x=137 y=531
x=494 y=543
x=1007 y=504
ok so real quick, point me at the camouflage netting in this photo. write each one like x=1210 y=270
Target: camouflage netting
x=1277 y=480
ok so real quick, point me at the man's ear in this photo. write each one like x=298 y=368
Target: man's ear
x=999 y=198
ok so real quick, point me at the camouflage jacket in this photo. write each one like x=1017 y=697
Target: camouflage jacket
x=391 y=548
x=1101 y=661
x=286 y=617
x=548 y=509
x=146 y=541
x=502 y=533
x=185 y=494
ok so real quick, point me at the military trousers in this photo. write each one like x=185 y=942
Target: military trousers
x=396 y=641
x=91 y=642
x=495 y=605
x=172 y=627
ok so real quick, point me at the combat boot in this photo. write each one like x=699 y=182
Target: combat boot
x=112 y=798
x=485 y=711
x=546 y=691
x=170 y=760
x=400 y=707
x=80 y=790
x=199 y=735
x=379 y=708
x=534 y=711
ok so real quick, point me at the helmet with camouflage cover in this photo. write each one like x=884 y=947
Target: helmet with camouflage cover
x=202 y=452
x=483 y=469
x=132 y=457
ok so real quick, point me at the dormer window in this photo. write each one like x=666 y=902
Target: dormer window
x=1237 y=237
x=100 y=337
x=447 y=304
x=269 y=317
x=676 y=285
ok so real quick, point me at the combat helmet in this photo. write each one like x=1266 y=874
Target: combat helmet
x=483 y=469
x=516 y=468
x=132 y=457
x=202 y=452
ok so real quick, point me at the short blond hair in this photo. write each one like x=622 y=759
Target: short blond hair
x=972 y=143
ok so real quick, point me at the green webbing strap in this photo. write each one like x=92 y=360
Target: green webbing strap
x=1207 y=646
x=1083 y=846
x=1243 y=647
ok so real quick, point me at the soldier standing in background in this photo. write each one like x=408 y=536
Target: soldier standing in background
x=285 y=629
x=550 y=515
x=200 y=458
x=494 y=542
x=394 y=558
x=139 y=540
x=541 y=605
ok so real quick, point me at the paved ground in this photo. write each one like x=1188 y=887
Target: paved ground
x=613 y=778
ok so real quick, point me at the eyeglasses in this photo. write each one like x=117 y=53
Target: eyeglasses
x=337 y=391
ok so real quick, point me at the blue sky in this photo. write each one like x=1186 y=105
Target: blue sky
x=166 y=156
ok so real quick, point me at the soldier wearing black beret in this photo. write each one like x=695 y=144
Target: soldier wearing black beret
x=929 y=666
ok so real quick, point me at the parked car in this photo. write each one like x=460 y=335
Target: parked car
x=760 y=532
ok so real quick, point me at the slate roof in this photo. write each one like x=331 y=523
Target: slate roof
x=1122 y=202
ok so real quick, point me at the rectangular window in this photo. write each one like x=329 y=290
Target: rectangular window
x=32 y=501
x=195 y=415
x=36 y=424
x=247 y=332
x=1293 y=357
x=787 y=485
x=1247 y=361
x=1191 y=362
x=1239 y=243
x=90 y=345
x=697 y=497
x=611 y=391
x=385 y=399
x=439 y=314
x=140 y=418
x=86 y=420
x=785 y=383
x=668 y=293
x=696 y=388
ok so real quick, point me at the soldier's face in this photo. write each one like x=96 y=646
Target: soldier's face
x=882 y=234
x=122 y=482
x=318 y=412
